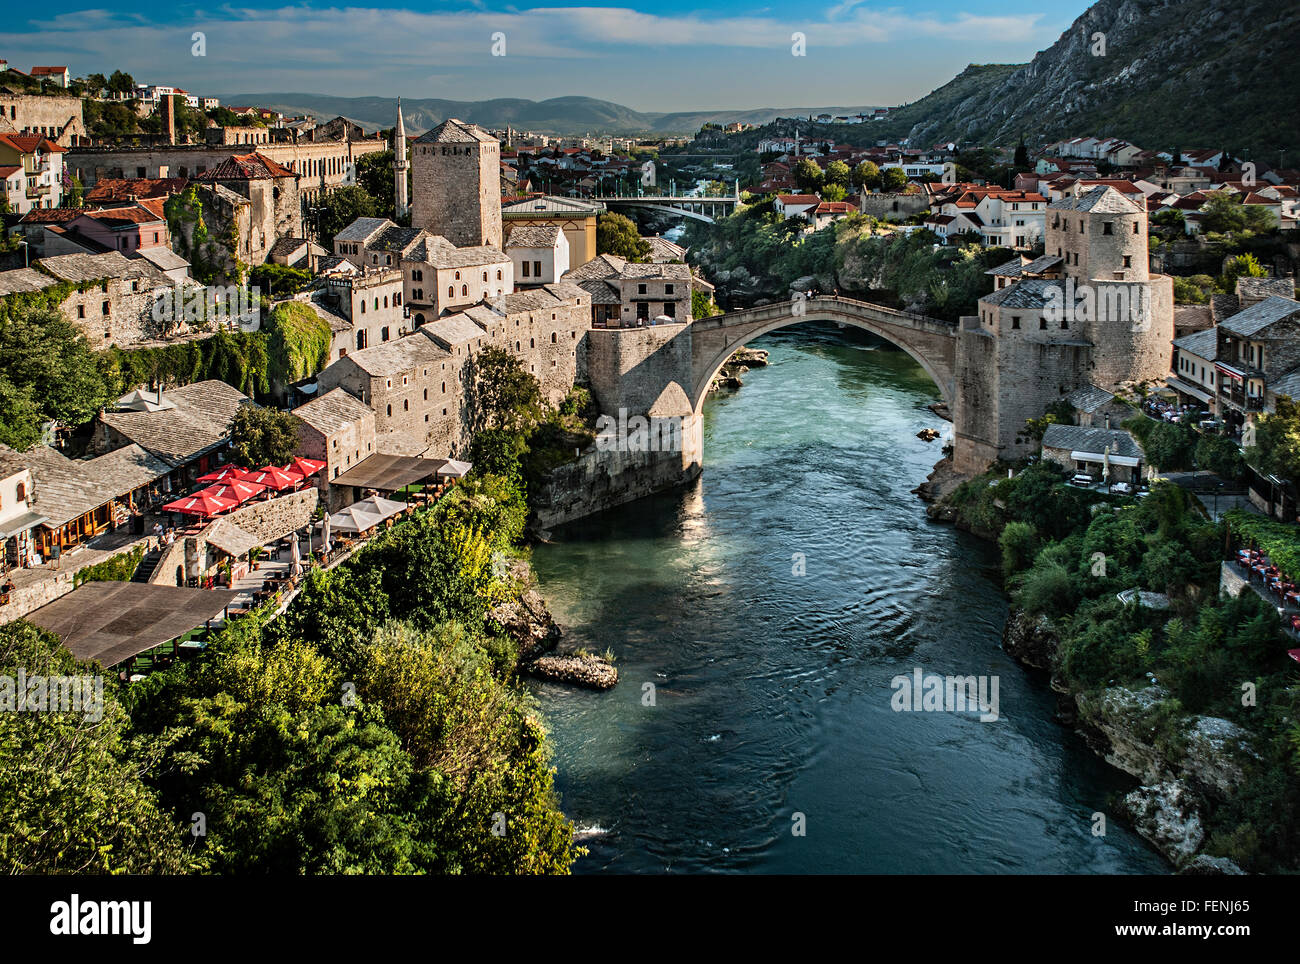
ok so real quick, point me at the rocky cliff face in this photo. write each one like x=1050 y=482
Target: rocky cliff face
x=1162 y=73
x=1184 y=764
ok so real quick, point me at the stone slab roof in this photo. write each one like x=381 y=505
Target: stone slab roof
x=452 y=330
x=1089 y=398
x=363 y=228
x=1101 y=199
x=80 y=268
x=1288 y=385
x=1266 y=287
x=1081 y=438
x=1202 y=344
x=454 y=131
x=333 y=411
x=1030 y=293
x=163 y=258
x=534 y=236
x=198 y=422
x=468 y=257
x=23 y=280
x=66 y=488
x=601 y=267
x=1259 y=316
x=229 y=538
x=394 y=357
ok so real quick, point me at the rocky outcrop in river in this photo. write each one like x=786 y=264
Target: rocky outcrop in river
x=576 y=669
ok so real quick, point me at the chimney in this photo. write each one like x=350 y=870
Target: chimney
x=168 y=107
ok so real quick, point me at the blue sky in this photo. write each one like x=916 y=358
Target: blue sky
x=668 y=55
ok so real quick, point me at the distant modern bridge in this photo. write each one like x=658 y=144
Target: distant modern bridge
x=706 y=209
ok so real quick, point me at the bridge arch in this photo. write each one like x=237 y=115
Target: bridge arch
x=930 y=342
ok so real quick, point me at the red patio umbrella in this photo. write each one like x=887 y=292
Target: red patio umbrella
x=203 y=503
x=273 y=478
x=235 y=491
x=226 y=473
x=305 y=468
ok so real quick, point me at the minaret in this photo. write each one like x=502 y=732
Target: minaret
x=403 y=204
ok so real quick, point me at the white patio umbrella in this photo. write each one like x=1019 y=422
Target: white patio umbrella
x=325 y=534
x=295 y=557
x=1105 y=464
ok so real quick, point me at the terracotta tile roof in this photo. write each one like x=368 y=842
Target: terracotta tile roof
x=134 y=188
x=31 y=143
x=245 y=167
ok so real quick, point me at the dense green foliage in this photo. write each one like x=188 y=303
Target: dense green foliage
x=1067 y=561
x=238 y=358
x=118 y=568
x=299 y=342
x=48 y=372
x=1277 y=441
x=850 y=255
x=263 y=436
x=617 y=234
x=73 y=791
x=1280 y=541
x=339 y=208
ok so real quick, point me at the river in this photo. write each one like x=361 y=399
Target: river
x=755 y=703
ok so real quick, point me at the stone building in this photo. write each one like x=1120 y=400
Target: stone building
x=416 y=385
x=1104 y=320
x=271 y=190
x=322 y=166
x=336 y=429
x=364 y=309
x=110 y=298
x=1109 y=453
x=539 y=253
x=574 y=216
x=625 y=294
x=456 y=190
x=438 y=276
x=56 y=116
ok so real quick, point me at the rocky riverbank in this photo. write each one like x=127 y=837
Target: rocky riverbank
x=527 y=621
x=742 y=361
x=1186 y=764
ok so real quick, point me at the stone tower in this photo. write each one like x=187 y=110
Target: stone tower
x=456 y=180
x=399 y=164
x=1088 y=312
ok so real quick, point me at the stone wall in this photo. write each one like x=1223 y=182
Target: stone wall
x=58 y=118
x=629 y=368
x=601 y=480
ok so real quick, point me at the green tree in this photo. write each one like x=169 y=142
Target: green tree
x=121 y=83
x=1240 y=266
x=49 y=370
x=1224 y=213
x=866 y=175
x=617 y=234
x=1021 y=158
x=263 y=436
x=375 y=175
x=340 y=208
x=808 y=176
x=1019 y=543
x=833 y=192
x=501 y=395
x=1277 y=441
x=892 y=180
x=72 y=794
x=837 y=172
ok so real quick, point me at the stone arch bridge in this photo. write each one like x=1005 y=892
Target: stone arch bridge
x=932 y=343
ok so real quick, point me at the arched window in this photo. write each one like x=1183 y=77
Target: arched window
x=390 y=412
x=451 y=291
x=406 y=405
x=552 y=338
x=363 y=306
x=376 y=304
x=385 y=301
x=485 y=276
x=464 y=291
x=498 y=274
x=532 y=343
x=457 y=275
